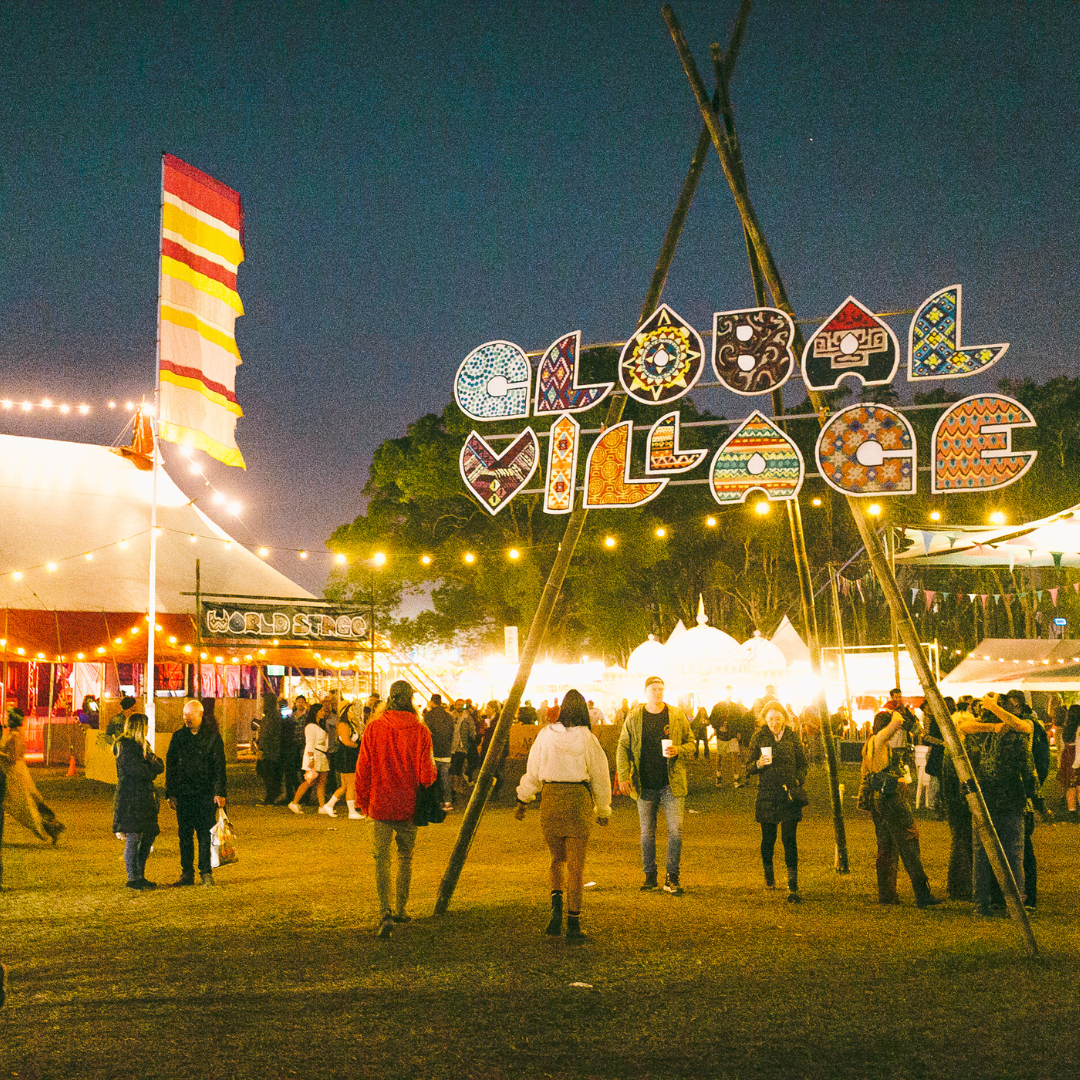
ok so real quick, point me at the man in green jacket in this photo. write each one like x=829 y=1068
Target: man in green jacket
x=655 y=743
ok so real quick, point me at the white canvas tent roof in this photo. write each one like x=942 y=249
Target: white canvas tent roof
x=1050 y=541
x=60 y=501
x=1025 y=663
x=787 y=640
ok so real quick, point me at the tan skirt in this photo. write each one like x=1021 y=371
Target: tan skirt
x=566 y=810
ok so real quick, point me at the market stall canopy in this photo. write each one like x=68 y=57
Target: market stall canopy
x=1051 y=541
x=787 y=640
x=1024 y=663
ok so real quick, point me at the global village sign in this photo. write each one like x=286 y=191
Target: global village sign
x=863 y=450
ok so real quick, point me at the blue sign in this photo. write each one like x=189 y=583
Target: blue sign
x=1060 y=621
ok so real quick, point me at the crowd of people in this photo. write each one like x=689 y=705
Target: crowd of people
x=377 y=755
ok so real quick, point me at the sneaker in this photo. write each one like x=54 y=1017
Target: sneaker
x=672 y=886
x=355 y=815
x=447 y=807
x=651 y=884
x=794 y=898
x=295 y=809
x=386 y=927
x=327 y=809
x=186 y=878
x=206 y=879
x=134 y=884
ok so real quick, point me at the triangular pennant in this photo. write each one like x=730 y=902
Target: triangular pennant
x=1057 y=558
x=1076 y=586
x=952 y=539
x=971 y=597
x=930 y=594
x=945 y=596
x=984 y=598
x=914 y=593
x=997 y=598
x=927 y=540
x=1053 y=596
x=858 y=585
x=1038 y=593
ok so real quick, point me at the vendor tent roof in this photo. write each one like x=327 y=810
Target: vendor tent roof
x=1050 y=541
x=787 y=640
x=1025 y=663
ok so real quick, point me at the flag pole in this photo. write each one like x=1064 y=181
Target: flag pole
x=151 y=603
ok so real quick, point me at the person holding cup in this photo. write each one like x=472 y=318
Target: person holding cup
x=778 y=759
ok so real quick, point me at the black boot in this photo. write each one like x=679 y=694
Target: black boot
x=770 y=878
x=554 y=927
x=573 y=928
x=793 y=886
x=924 y=898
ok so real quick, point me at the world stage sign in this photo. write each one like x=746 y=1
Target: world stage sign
x=863 y=450
x=281 y=622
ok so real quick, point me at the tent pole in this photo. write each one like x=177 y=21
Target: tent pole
x=969 y=784
x=840 y=640
x=574 y=526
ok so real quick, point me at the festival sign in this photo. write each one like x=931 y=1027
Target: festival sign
x=281 y=621
x=863 y=450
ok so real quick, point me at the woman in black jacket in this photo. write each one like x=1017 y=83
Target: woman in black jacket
x=777 y=757
x=135 y=808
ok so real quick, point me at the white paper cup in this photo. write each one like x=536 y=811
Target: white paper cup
x=766 y=754
x=664 y=744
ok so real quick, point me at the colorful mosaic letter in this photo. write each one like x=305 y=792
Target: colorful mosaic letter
x=853 y=340
x=757 y=456
x=868 y=450
x=973 y=445
x=563 y=442
x=934 y=350
x=493 y=382
x=557 y=387
x=752 y=349
x=662 y=360
x=607 y=473
x=663 y=455
x=496 y=478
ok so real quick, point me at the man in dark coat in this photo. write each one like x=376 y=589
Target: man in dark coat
x=441 y=725
x=195 y=786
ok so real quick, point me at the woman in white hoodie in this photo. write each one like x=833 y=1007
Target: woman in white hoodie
x=568 y=765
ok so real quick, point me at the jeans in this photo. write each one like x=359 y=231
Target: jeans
x=136 y=851
x=443 y=767
x=1010 y=830
x=406 y=841
x=791 y=849
x=648 y=801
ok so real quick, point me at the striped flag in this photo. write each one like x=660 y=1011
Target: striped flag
x=202 y=245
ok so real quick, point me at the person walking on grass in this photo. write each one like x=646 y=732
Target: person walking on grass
x=653 y=749
x=135 y=806
x=778 y=758
x=395 y=757
x=270 y=749
x=343 y=761
x=23 y=800
x=1068 y=773
x=568 y=766
x=195 y=786
x=441 y=725
x=314 y=763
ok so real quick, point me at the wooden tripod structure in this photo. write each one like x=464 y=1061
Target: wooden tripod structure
x=719 y=129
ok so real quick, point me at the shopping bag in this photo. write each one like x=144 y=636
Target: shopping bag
x=222 y=841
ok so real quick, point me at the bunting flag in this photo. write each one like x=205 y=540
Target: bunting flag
x=1038 y=595
x=984 y=598
x=1053 y=596
x=1076 y=586
x=971 y=597
x=914 y=593
x=997 y=598
x=1056 y=555
x=202 y=245
x=930 y=594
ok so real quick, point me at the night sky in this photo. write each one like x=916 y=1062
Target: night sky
x=419 y=178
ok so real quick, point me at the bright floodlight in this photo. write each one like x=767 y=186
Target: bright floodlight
x=874 y=509
x=379 y=558
x=514 y=553
x=761 y=508
x=935 y=515
x=661 y=532
x=470 y=557
x=997 y=517
x=609 y=541
x=711 y=522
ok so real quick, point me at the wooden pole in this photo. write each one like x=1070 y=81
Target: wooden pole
x=894 y=631
x=838 y=619
x=574 y=526
x=980 y=815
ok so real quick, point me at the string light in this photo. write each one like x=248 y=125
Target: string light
x=514 y=553
x=761 y=508
x=711 y=522
x=815 y=502
x=470 y=557
x=425 y=559
x=609 y=541
x=661 y=532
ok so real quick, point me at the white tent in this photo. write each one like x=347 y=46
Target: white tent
x=787 y=640
x=1051 y=541
x=1025 y=663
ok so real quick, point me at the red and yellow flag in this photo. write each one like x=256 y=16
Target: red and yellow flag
x=202 y=245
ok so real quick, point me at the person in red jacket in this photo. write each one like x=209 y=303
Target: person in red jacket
x=395 y=756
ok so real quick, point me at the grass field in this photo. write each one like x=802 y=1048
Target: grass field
x=275 y=971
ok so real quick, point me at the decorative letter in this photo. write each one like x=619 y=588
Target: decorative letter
x=934 y=341
x=564 y=438
x=752 y=349
x=868 y=450
x=973 y=445
x=496 y=478
x=493 y=382
x=663 y=455
x=662 y=360
x=607 y=473
x=852 y=340
x=557 y=387
x=756 y=456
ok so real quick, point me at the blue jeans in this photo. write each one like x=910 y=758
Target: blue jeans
x=648 y=801
x=136 y=851
x=1010 y=830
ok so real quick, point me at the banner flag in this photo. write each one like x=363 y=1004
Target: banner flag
x=202 y=246
x=971 y=597
x=930 y=594
x=1053 y=596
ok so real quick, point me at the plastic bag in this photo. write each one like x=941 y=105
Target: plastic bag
x=222 y=841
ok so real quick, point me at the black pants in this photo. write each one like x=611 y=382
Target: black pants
x=958 y=883
x=271 y=773
x=194 y=818
x=291 y=758
x=698 y=740
x=1031 y=890
x=787 y=838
